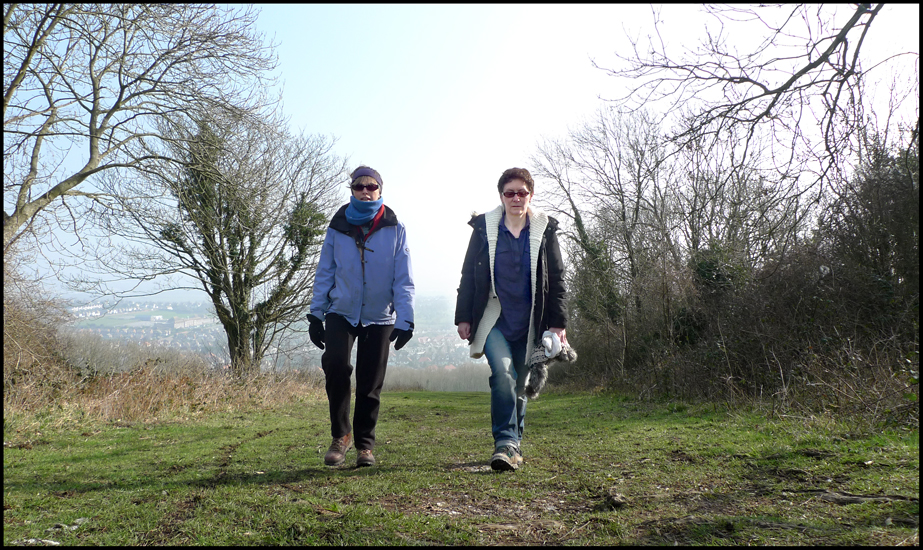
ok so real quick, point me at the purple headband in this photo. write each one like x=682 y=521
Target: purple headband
x=367 y=172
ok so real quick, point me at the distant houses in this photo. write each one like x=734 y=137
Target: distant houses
x=193 y=322
x=151 y=318
x=194 y=328
x=178 y=323
x=83 y=312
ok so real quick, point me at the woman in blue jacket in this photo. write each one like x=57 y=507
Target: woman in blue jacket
x=363 y=288
x=512 y=291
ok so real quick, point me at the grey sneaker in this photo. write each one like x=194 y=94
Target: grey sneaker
x=336 y=454
x=506 y=458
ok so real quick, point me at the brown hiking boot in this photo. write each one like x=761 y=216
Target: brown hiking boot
x=336 y=454
x=366 y=458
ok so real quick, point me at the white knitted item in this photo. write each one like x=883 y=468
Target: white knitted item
x=551 y=343
x=492 y=311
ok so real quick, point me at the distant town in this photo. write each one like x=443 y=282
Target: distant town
x=193 y=327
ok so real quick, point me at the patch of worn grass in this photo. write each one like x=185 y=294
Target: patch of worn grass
x=686 y=474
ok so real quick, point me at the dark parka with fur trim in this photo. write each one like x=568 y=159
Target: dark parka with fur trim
x=549 y=295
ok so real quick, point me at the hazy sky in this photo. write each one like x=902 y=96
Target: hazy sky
x=440 y=99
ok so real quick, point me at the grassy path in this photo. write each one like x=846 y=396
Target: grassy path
x=685 y=475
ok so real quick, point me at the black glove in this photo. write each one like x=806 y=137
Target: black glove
x=402 y=336
x=316 y=331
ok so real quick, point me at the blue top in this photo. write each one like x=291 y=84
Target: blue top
x=513 y=278
x=372 y=285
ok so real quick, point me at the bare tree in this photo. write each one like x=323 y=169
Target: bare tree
x=83 y=85
x=724 y=203
x=645 y=225
x=801 y=86
x=873 y=225
x=243 y=218
x=607 y=178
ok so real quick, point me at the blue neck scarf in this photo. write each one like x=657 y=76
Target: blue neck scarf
x=362 y=212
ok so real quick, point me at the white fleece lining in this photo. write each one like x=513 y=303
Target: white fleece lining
x=538 y=221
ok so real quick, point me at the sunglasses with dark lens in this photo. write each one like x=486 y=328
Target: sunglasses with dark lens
x=522 y=194
x=372 y=187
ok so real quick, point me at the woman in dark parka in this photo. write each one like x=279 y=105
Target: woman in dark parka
x=511 y=291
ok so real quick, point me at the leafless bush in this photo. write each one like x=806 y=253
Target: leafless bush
x=808 y=333
x=31 y=365
x=873 y=385
x=90 y=355
x=471 y=377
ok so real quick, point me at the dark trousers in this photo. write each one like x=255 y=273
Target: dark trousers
x=371 y=363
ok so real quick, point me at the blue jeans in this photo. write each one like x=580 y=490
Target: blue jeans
x=508 y=373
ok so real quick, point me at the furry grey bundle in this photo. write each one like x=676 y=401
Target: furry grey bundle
x=538 y=371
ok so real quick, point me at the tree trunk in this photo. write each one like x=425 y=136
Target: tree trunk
x=242 y=364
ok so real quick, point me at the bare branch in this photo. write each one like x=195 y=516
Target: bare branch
x=94 y=80
x=805 y=64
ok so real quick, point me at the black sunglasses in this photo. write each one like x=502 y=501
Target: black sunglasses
x=372 y=187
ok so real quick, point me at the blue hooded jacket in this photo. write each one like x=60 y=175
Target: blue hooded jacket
x=370 y=281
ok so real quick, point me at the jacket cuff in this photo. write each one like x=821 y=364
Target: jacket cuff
x=557 y=322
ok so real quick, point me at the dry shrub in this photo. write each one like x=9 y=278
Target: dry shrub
x=806 y=335
x=33 y=373
x=874 y=385
x=826 y=336
x=165 y=383
x=599 y=364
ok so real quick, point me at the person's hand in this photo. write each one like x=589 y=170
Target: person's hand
x=401 y=336
x=464 y=330
x=316 y=331
x=562 y=335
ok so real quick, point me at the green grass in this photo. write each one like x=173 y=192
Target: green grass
x=690 y=474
